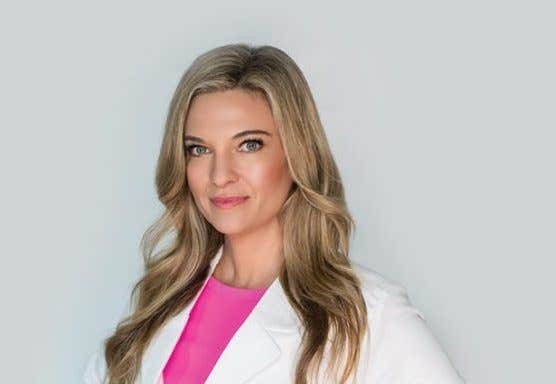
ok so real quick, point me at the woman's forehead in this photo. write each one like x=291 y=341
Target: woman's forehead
x=227 y=113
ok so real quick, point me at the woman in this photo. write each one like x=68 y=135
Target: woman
x=256 y=285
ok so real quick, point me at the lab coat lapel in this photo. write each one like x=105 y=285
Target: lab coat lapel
x=252 y=348
x=255 y=346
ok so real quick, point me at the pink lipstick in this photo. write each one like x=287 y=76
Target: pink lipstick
x=228 y=202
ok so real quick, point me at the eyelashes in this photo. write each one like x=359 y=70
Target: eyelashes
x=189 y=148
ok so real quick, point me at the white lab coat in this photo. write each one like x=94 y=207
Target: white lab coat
x=398 y=349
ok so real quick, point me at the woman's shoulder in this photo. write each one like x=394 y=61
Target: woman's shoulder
x=402 y=344
x=95 y=367
x=378 y=289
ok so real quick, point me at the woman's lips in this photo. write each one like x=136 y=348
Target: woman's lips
x=228 y=202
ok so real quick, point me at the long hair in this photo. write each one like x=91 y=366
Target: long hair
x=317 y=275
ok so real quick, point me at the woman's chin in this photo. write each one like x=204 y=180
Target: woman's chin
x=230 y=228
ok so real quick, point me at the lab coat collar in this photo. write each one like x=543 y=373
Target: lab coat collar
x=251 y=349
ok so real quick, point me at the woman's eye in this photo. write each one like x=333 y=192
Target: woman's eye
x=190 y=149
x=258 y=143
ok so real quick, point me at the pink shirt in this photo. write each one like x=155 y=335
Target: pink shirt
x=216 y=315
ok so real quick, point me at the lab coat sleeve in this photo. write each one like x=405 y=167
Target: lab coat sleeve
x=95 y=368
x=405 y=351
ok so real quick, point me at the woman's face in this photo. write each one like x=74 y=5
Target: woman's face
x=225 y=160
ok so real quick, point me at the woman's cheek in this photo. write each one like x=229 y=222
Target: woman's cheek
x=193 y=178
x=266 y=175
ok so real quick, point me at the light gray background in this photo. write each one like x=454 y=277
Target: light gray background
x=440 y=115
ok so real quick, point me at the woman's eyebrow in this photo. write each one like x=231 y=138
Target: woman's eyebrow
x=236 y=136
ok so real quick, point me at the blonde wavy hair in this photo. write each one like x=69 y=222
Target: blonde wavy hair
x=317 y=275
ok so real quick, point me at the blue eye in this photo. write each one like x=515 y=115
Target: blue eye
x=256 y=141
x=188 y=149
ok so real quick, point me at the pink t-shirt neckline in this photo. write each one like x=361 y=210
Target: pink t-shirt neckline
x=236 y=290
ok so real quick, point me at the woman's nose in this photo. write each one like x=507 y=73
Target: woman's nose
x=222 y=170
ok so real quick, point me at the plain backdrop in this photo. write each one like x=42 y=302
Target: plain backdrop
x=440 y=114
